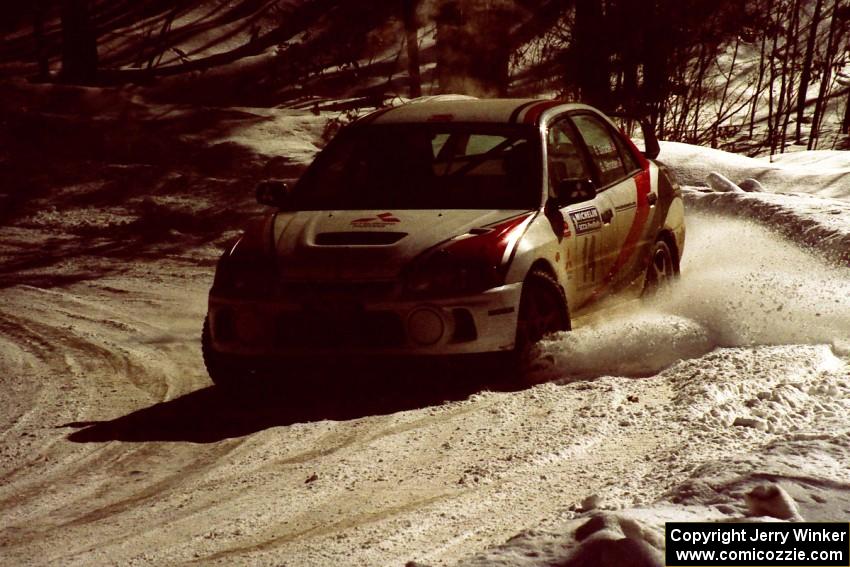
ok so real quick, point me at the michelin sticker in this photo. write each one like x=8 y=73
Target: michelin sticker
x=586 y=220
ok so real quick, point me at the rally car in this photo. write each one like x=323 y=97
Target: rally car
x=445 y=226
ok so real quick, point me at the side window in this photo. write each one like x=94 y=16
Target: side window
x=629 y=158
x=602 y=147
x=566 y=158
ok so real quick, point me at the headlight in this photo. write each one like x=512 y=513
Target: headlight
x=244 y=275
x=444 y=274
x=469 y=263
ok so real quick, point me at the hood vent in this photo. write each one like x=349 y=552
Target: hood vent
x=358 y=238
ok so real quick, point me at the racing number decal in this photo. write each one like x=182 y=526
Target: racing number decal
x=589 y=257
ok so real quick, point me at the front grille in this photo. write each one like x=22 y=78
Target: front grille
x=334 y=329
x=362 y=290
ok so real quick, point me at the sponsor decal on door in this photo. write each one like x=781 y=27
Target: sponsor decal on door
x=586 y=220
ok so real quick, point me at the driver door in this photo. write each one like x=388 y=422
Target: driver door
x=590 y=239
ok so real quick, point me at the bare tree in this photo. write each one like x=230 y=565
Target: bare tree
x=592 y=59
x=760 y=80
x=788 y=70
x=724 y=97
x=826 y=74
x=411 y=28
x=806 y=73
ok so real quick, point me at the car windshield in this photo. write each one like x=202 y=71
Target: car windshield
x=425 y=166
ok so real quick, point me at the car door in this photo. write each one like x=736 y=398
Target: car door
x=616 y=177
x=589 y=237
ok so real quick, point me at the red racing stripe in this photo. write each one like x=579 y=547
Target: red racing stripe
x=533 y=113
x=643 y=186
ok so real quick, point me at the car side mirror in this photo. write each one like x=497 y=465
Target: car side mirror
x=573 y=191
x=273 y=192
x=651 y=147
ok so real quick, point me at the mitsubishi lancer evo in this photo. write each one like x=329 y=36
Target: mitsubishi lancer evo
x=444 y=227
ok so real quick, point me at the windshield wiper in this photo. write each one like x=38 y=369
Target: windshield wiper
x=481 y=158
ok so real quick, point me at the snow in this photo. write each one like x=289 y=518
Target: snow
x=277 y=133
x=725 y=399
x=784 y=410
x=722 y=184
x=823 y=173
x=804 y=196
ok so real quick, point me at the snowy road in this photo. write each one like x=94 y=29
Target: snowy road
x=115 y=450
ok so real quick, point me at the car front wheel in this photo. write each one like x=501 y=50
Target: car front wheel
x=542 y=311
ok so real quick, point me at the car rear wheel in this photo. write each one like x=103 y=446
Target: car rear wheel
x=662 y=271
x=221 y=369
x=542 y=311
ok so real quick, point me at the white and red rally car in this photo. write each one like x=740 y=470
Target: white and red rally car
x=445 y=226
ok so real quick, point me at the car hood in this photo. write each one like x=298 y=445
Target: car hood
x=327 y=245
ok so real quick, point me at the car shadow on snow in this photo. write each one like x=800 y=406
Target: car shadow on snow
x=214 y=414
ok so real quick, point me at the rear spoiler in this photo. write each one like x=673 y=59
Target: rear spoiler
x=650 y=141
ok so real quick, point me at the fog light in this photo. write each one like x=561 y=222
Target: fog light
x=425 y=326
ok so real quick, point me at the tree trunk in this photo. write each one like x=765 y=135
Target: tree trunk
x=845 y=124
x=411 y=28
x=629 y=46
x=593 y=70
x=699 y=90
x=656 y=69
x=472 y=51
x=41 y=56
x=806 y=73
x=788 y=70
x=826 y=77
x=771 y=106
x=79 y=43
x=724 y=97
x=760 y=75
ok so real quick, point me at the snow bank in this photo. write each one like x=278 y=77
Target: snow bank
x=613 y=540
x=823 y=173
x=280 y=133
x=802 y=195
x=813 y=222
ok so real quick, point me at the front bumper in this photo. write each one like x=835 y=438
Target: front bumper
x=480 y=323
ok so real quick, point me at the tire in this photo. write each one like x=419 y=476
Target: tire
x=662 y=271
x=542 y=311
x=221 y=369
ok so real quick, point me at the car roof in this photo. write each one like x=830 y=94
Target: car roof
x=458 y=108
